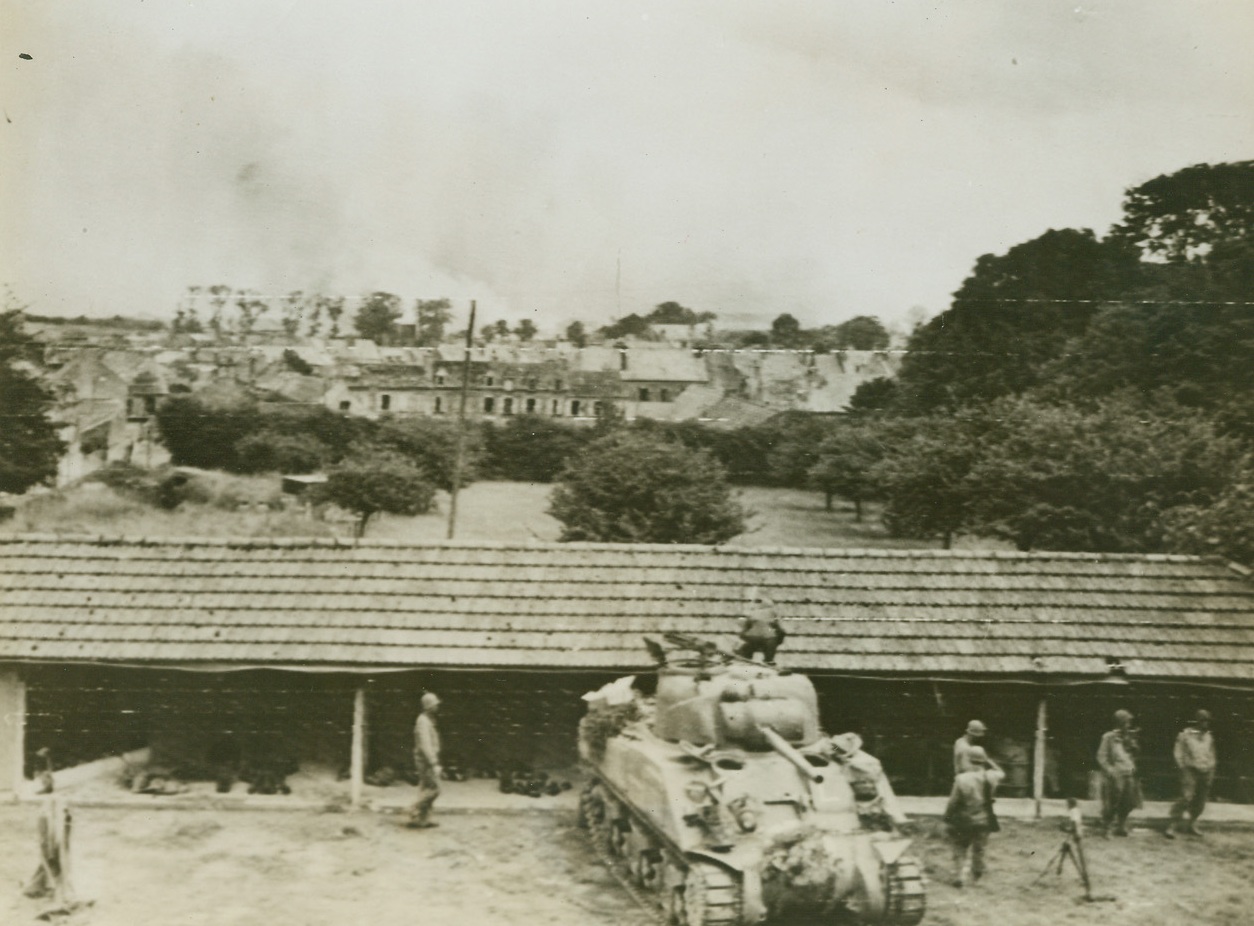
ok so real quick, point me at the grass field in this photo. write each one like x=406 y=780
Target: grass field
x=507 y=512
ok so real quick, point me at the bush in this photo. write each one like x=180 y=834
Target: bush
x=274 y=452
x=375 y=481
x=638 y=488
x=531 y=449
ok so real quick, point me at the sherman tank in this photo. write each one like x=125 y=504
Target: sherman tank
x=722 y=800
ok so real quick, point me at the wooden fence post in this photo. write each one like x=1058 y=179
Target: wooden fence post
x=1038 y=755
x=357 y=763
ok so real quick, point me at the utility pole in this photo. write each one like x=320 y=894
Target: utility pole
x=461 y=428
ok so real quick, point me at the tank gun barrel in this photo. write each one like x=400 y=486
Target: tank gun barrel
x=785 y=749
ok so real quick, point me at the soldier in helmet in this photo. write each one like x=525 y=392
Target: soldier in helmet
x=969 y=740
x=1121 y=792
x=875 y=800
x=426 y=763
x=760 y=632
x=1194 y=753
x=969 y=815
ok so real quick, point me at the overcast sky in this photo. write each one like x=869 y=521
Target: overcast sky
x=827 y=159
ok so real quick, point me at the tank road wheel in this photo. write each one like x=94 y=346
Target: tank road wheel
x=710 y=896
x=647 y=869
x=907 y=893
x=619 y=834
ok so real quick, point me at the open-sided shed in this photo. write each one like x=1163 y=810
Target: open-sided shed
x=104 y=641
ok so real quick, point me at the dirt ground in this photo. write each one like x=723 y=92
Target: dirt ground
x=292 y=868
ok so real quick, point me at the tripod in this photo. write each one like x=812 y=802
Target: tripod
x=1072 y=849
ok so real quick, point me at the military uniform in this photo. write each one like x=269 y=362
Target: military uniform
x=426 y=763
x=969 y=815
x=1121 y=792
x=1195 y=758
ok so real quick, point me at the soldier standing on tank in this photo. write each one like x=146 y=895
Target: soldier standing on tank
x=969 y=814
x=1121 y=792
x=760 y=632
x=965 y=743
x=1195 y=757
x=426 y=763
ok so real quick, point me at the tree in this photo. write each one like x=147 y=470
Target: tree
x=334 y=307
x=672 y=313
x=526 y=330
x=373 y=481
x=632 y=325
x=293 y=312
x=923 y=475
x=251 y=308
x=1014 y=314
x=29 y=445
x=846 y=463
x=795 y=448
x=863 y=332
x=276 y=452
x=203 y=435
x=529 y=448
x=431 y=445
x=219 y=295
x=631 y=487
x=1224 y=528
x=576 y=334
x=1101 y=480
x=376 y=317
x=1185 y=215
x=432 y=317
x=785 y=331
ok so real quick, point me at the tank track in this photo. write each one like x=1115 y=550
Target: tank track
x=907 y=893
x=709 y=895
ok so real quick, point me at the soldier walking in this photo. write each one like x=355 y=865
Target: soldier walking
x=1121 y=792
x=426 y=763
x=1195 y=758
x=969 y=815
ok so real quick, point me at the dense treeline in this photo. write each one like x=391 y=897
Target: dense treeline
x=1080 y=393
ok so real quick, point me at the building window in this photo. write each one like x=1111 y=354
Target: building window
x=507 y=407
x=644 y=393
x=596 y=408
x=574 y=408
x=557 y=407
x=666 y=395
x=489 y=405
x=439 y=379
x=557 y=385
x=509 y=385
x=439 y=405
x=385 y=402
x=490 y=380
x=345 y=405
x=533 y=383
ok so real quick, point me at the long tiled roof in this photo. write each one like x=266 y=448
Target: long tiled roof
x=353 y=604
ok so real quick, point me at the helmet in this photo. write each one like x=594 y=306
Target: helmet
x=429 y=700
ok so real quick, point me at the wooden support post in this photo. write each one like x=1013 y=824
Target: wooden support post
x=357 y=763
x=12 y=732
x=1038 y=755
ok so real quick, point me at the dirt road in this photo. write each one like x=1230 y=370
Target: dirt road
x=244 y=867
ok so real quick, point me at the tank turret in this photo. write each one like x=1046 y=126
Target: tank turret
x=722 y=795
